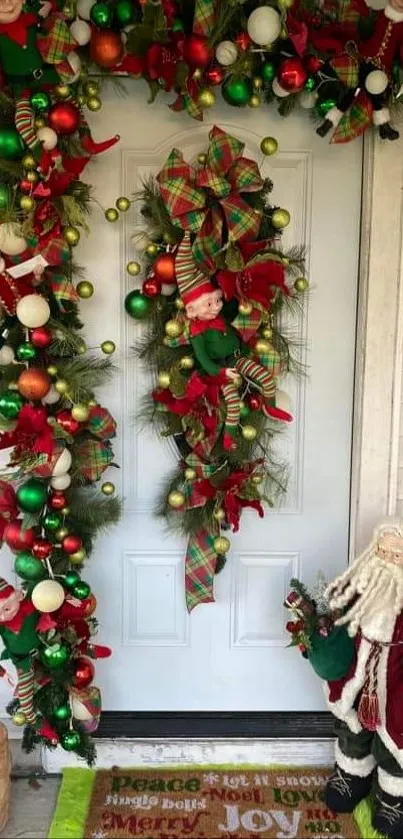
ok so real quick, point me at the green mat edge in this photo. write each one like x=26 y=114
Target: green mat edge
x=77 y=785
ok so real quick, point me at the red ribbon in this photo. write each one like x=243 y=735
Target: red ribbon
x=162 y=60
x=32 y=432
x=254 y=281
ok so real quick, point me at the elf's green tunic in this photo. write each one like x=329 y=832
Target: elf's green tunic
x=215 y=345
x=19 y=643
x=23 y=66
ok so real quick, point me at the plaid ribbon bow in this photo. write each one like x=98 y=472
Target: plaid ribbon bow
x=209 y=201
x=54 y=43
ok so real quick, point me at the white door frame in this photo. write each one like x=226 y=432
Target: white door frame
x=378 y=381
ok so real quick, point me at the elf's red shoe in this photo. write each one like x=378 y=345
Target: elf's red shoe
x=276 y=413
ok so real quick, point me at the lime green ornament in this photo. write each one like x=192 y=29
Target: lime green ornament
x=5 y=196
x=62 y=713
x=101 y=14
x=124 y=12
x=123 y=204
x=268 y=71
x=325 y=106
x=310 y=83
x=52 y=521
x=29 y=568
x=237 y=91
x=26 y=352
x=31 y=496
x=40 y=101
x=11 y=144
x=111 y=214
x=11 y=403
x=137 y=305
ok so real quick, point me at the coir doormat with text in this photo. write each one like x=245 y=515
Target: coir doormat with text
x=201 y=803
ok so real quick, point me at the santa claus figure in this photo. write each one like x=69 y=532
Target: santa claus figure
x=367 y=700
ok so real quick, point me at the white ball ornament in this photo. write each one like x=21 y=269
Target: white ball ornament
x=12 y=241
x=51 y=397
x=63 y=464
x=278 y=90
x=75 y=63
x=226 y=53
x=264 y=25
x=47 y=596
x=167 y=289
x=81 y=32
x=79 y=711
x=32 y=311
x=84 y=8
x=376 y=82
x=60 y=482
x=6 y=356
x=48 y=138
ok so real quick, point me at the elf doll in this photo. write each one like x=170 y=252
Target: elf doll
x=217 y=346
x=373 y=58
x=19 y=627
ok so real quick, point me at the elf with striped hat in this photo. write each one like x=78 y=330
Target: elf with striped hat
x=217 y=346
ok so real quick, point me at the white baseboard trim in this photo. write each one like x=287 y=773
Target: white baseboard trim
x=125 y=752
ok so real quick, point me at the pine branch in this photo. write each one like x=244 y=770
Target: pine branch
x=84 y=374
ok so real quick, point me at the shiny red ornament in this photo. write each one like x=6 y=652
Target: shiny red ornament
x=41 y=548
x=313 y=63
x=71 y=543
x=16 y=538
x=57 y=501
x=214 y=75
x=152 y=287
x=67 y=422
x=164 y=268
x=90 y=604
x=25 y=186
x=243 y=41
x=83 y=672
x=292 y=74
x=64 y=118
x=196 y=51
x=255 y=401
x=41 y=337
x=106 y=47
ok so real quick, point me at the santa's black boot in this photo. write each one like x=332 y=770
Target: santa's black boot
x=386 y=132
x=388 y=817
x=324 y=127
x=344 y=791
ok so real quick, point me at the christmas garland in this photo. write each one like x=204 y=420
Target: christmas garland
x=217 y=389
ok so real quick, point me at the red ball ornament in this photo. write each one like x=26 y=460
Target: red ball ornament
x=152 y=287
x=57 y=501
x=71 y=543
x=25 y=186
x=64 y=118
x=255 y=401
x=243 y=41
x=84 y=672
x=196 y=51
x=41 y=337
x=164 y=267
x=34 y=383
x=41 y=548
x=214 y=75
x=67 y=422
x=313 y=63
x=106 y=47
x=16 y=538
x=292 y=74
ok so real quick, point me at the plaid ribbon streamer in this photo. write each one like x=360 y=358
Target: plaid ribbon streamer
x=92 y=457
x=347 y=68
x=200 y=564
x=208 y=201
x=55 y=45
x=204 y=17
x=355 y=121
x=101 y=423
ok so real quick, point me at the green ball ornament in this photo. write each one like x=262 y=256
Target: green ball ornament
x=70 y=741
x=11 y=144
x=5 y=196
x=52 y=521
x=123 y=204
x=137 y=305
x=124 y=12
x=237 y=91
x=26 y=352
x=81 y=590
x=71 y=579
x=40 y=101
x=31 y=496
x=62 y=713
x=177 y=25
x=310 y=83
x=245 y=410
x=101 y=14
x=29 y=568
x=55 y=657
x=268 y=71
x=325 y=106
x=11 y=403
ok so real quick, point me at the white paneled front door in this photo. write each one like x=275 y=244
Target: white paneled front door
x=229 y=655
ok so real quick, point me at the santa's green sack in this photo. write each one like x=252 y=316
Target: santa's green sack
x=332 y=655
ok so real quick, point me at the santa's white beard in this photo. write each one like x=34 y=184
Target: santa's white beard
x=376 y=587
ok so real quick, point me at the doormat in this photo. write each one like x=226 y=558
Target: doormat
x=201 y=803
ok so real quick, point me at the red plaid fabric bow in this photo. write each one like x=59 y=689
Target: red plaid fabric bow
x=209 y=201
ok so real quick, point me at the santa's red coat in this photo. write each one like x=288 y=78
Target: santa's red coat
x=386 y=42
x=342 y=694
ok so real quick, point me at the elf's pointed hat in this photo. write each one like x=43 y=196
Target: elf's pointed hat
x=5 y=589
x=191 y=282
